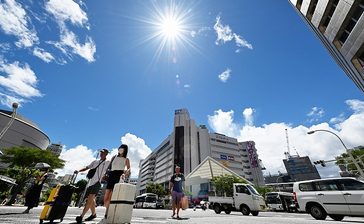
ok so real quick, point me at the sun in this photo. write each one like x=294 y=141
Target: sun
x=169 y=28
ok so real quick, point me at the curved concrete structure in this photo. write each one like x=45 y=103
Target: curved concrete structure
x=22 y=132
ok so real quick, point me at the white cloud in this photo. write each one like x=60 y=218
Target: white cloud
x=93 y=108
x=42 y=54
x=14 y=21
x=315 y=114
x=19 y=80
x=194 y=33
x=81 y=156
x=68 y=10
x=240 y=42
x=64 y=10
x=138 y=150
x=356 y=105
x=222 y=122
x=248 y=115
x=271 y=141
x=225 y=34
x=338 y=119
x=187 y=86
x=87 y=50
x=225 y=75
x=69 y=44
x=75 y=158
x=9 y=100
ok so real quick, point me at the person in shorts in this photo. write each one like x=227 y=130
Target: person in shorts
x=176 y=188
x=94 y=184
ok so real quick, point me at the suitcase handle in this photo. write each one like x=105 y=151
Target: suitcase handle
x=73 y=178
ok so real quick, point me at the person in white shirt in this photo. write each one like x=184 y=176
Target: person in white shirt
x=116 y=172
x=94 y=184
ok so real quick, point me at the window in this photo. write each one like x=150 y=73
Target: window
x=311 y=9
x=299 y=4
x=328 y=185
x=358 y=60
x=330 y=9
x=351 y=185
x=242 y=190
x=252 y=189
x=350 y=24
x=306 y=187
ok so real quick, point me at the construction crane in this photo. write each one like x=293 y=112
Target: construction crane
x=288 y=153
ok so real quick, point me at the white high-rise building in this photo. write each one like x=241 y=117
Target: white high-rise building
x=339 y=25
x=188 y=145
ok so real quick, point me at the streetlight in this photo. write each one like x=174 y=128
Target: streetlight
x=346 y=148
x=7 y=126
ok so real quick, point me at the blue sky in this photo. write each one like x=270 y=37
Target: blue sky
x=89 y=73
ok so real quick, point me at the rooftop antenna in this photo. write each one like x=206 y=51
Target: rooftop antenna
x=298 y=155
x=288 y=153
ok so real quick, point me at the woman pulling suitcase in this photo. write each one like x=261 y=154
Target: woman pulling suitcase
x=33 y=194
x=116 y=171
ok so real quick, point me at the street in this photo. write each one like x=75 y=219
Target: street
x=13 y=215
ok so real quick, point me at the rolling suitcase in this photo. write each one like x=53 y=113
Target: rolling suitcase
x=58 y=202
x=121 y=204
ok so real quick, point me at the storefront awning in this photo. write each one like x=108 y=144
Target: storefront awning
x=208 y=169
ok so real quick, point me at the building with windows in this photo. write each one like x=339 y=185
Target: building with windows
x=188 y=145
x=340 y=27
x=56 y=149
x=22 y=132
x=300 y=168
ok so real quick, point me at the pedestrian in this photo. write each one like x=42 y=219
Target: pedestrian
x=33 y=194
x=116 y=172
x=176 y=187
x=98 y=168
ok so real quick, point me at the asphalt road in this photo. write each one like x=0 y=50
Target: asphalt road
x=13 y=215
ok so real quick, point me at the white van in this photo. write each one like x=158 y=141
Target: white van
x=335 y=197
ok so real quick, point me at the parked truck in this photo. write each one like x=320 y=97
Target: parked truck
x=245 y=199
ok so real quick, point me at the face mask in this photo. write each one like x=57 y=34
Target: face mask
x=121 y=151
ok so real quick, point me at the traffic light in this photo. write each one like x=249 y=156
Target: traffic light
x=321 y=162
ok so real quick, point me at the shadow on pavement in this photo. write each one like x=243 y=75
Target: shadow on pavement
x=11 y=213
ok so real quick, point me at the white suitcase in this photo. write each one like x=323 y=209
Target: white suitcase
x=121 y=204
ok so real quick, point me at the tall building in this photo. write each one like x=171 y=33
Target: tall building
x=300 y=168
x=56 y=149
x=252 y=165
x=339 y=25
x=188 y=145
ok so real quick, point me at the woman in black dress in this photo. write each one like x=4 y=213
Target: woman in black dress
x=33 y=194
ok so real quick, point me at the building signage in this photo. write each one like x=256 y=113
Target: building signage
x=231 y=158
x=224 y=157
x=252 y=155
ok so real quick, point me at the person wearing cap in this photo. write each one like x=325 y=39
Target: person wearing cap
x=94 y=184
x=176 y=188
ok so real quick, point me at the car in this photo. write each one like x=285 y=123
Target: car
x=159 y=204
x=333 y=197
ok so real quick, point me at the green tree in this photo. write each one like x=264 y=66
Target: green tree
x=224 y=184
x=263 y=190
x=156 y=188
x=344 y=159
x=21 y=161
